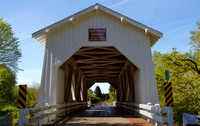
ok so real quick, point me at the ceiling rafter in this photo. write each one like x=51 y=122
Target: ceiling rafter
x=99 y=62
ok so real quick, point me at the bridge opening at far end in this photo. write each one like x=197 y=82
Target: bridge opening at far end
x=102 y=94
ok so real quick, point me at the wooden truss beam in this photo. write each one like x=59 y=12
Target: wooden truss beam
x=99 y=62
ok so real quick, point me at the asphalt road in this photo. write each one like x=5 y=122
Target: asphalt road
x=102 y=110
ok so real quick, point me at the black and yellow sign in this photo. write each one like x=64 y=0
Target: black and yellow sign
x=22 y=96
x=168 y=94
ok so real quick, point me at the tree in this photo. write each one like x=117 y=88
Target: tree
x=9 y=46
x=184 y=74
x=185 y=78
x=7 y=83
x=90 y=91
x=105 y=97
x=195 y=37
x=94 y=99
x=97 y=92
x=111 y=89
x=111 y=94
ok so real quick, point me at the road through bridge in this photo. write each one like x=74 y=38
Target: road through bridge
x=100 y=115
x=97 y=44
x=80 y=114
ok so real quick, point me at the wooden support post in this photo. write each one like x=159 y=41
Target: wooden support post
x=170 y=116
x=36 y=123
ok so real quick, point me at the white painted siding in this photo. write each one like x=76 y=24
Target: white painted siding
x=63 y=41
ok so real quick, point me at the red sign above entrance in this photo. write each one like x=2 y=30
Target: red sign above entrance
x=97 y=34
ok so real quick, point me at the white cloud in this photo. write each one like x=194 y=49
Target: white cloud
x=117 y=4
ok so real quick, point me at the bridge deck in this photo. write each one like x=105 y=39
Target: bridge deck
x=102 y=115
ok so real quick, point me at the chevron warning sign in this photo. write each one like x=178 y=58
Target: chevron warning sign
x=22 y=96
x=168 y=94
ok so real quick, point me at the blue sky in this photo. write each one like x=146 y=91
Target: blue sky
x=174 y=18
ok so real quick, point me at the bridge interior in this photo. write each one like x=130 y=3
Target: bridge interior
x=95 y=64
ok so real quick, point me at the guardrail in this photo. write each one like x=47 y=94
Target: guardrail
x=154 y=112
x=6 y=120
x=189 y=119
x=47 y=111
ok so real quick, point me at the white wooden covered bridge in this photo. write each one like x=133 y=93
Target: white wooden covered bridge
x=97 y=44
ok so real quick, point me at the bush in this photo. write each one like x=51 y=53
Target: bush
x=10 y=109
x=32 y=95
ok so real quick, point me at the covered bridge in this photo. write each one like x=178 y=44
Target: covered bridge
x=97 y=44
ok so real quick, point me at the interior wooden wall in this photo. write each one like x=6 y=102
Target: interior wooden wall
x=74 y=84
x=126 y=82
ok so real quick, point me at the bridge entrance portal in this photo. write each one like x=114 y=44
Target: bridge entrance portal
x=95 y=64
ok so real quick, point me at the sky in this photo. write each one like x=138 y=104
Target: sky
x=174 y=18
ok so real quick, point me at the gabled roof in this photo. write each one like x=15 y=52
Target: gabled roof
x=154 y=34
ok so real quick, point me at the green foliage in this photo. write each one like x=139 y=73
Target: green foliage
x=105 y=97
x=111 y=96
x=10 y=109
x=195 y=37
x=15 y=96
x=97 y=92
x=9 y=46
x=7 y=83
x=111 y=89
x=8 y=92
x=33 y=95
x=185 y=77
x=9 y=58
x=90 y=91
x=94 y=98
x=11 y=106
